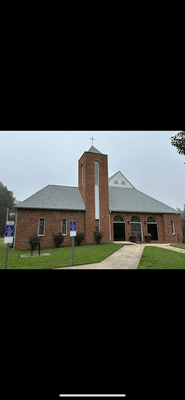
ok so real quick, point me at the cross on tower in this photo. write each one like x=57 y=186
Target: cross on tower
x=92 y=140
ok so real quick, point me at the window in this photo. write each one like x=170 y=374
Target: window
x=135 y=219
x=136 y=228
x=123 y=183
x=173 y=227
x=116 y=182
x=118 y=218
x=97 y=224
x=81 y=175
x=41 y=226
x=64 y=226
x=96 y=167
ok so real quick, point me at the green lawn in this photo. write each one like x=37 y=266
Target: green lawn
x=62 y=257
x=157 y=258
x=179 y=245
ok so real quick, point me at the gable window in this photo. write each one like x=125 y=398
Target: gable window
x=123 y=183
x=41 y=226
x=64 y=226
x=116 y=182
x=173 y=227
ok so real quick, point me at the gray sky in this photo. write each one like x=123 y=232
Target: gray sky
x=30 y=161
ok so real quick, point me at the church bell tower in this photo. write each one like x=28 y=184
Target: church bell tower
x=93 y=186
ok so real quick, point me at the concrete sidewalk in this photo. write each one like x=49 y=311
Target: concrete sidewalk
x=127 y=257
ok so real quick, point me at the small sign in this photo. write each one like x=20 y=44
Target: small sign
x=72 y=228
x=9 y=232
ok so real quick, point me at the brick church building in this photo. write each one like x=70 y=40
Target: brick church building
x=109 y=204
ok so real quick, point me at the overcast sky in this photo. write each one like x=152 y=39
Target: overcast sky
x=30 y=161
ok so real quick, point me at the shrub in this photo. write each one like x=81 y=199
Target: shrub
x=79 y=238
x=32 y=239
x=98 y=236
x=58 y=239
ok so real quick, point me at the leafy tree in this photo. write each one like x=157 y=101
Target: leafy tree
x=6 y=201
x=179 y=142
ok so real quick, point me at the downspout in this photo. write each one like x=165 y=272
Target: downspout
x=15 y=226
x=109 y=226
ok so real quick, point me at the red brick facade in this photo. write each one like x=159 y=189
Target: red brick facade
x=27 y=224
x=163 y=224
x=27 y=220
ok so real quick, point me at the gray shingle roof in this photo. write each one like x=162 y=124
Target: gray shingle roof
x=131 y=199
x=94 y=150
x=56 y=198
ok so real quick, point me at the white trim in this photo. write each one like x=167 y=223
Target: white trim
x=39 y=226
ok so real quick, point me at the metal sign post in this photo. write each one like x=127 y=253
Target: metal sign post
x=9 y=232
x=73 y=234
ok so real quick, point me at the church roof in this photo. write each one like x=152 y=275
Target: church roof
x=94 y=150
x=132 y=200
x=55 y=197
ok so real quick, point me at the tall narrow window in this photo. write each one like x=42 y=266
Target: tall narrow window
x=97 y=224
x=96 y=174
x=136 y=228
x=41 y=226
x=81 y=175
x=173 y=227
x=64 y=226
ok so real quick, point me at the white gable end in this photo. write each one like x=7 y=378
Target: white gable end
x=119 y=180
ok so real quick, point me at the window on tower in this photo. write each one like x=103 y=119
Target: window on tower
x=81 y=175
x=97 y=224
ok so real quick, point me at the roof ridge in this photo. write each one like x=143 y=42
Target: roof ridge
x=76 y=187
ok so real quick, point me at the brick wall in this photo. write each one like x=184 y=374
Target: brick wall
x=28 y=222
x=163 y=222
x=169 y=237
x=87 y=191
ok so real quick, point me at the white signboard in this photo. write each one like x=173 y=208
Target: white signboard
x=72 y=228
x=9 y=232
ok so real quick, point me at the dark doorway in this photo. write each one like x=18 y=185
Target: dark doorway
x=152 y=229
x=119 y=231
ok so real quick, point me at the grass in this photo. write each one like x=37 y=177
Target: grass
x=179 y=245
x=62 y=257
x=157 y=258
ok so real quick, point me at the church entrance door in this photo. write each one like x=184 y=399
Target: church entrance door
x=119 y=228
x=119 y=232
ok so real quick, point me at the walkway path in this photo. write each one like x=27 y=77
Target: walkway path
x=127 y=257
